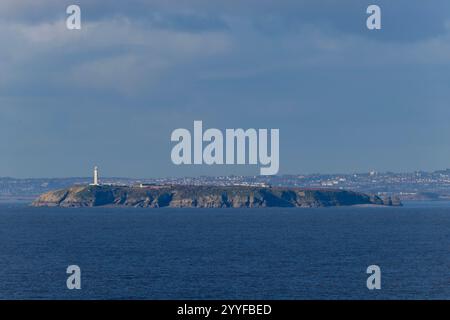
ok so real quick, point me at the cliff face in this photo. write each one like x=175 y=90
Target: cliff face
x=202 y=197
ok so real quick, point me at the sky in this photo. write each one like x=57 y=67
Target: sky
x=345 y=98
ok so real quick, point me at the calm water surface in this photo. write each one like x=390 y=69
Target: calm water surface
x=225 y=253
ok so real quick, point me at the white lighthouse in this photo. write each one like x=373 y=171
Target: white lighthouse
x=95 y=183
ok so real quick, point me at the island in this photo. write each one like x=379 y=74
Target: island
x=185 y=196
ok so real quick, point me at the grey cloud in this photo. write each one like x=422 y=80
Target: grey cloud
x=143 y=69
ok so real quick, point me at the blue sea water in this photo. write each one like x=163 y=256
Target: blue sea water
x=225 y=253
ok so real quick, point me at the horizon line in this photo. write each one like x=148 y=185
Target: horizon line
x=230 y=175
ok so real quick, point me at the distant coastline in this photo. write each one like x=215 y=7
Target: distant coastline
x=158 y=196
x=419 y=185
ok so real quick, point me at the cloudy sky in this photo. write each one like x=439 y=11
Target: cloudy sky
x=345 y=99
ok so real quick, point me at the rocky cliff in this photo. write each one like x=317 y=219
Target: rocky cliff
x=203 y=197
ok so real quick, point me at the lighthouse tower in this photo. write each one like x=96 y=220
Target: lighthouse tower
x=95 y=183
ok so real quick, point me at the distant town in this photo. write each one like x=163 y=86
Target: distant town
x=419 y=185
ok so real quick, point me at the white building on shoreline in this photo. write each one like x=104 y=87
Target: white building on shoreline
x=96 y=180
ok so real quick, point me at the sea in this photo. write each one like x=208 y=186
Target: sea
x=273 y=253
